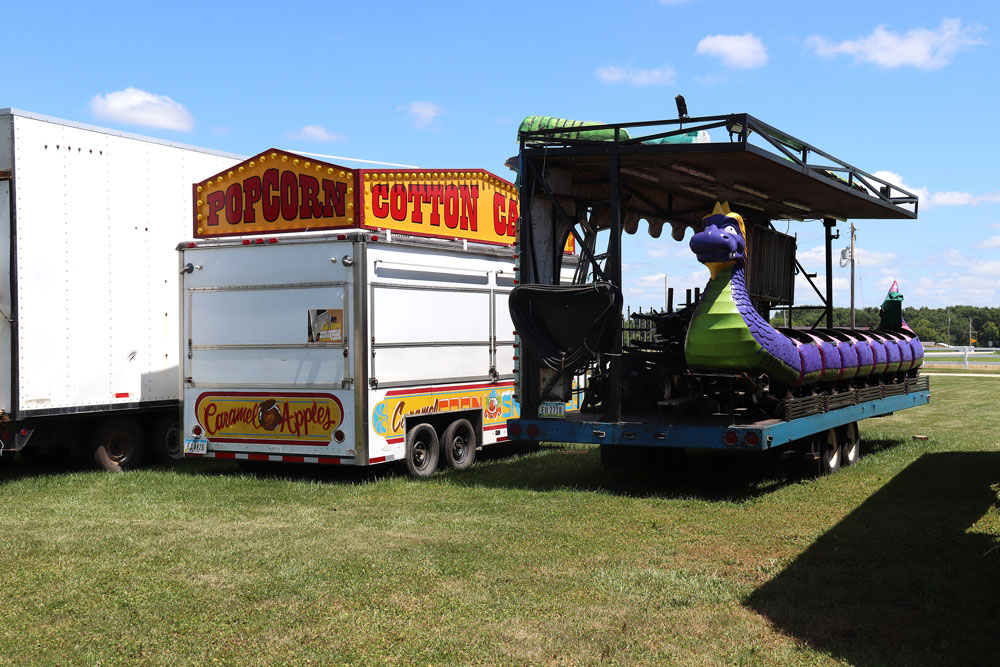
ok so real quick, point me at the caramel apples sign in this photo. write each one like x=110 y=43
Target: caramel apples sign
x=252 y=418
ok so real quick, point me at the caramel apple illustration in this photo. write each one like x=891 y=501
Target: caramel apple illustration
x=269 y=415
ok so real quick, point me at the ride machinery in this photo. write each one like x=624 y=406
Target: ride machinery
x=714 y=372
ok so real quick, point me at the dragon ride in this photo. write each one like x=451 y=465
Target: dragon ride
x=713 y=372
x=726 y=331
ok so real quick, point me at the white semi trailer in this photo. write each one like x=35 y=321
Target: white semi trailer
x=89 y=218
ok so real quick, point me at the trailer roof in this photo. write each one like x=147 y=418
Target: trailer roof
x=115 y=133
x=760 y=171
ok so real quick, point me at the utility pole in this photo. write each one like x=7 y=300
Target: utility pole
x=970 y=332
x=948 y=341
x=852 y=275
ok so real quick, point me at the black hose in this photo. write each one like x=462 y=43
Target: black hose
x=532 y=305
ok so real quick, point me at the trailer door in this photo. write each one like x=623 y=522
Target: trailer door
x=268 y=350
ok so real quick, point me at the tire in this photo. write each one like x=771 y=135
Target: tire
x=165 y=439
x=850 y=444
x=829 y=451
x=614 y=457
x=459 y=444
x=422 y=451
x=117 y=444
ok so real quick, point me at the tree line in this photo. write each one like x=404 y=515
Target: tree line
x=940 y=325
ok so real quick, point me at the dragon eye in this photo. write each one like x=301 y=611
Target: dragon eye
x=730 y=229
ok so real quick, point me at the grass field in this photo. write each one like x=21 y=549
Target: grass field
x=537 y=557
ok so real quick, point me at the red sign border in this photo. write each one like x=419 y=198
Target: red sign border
x=352 y=181
x=261 y=441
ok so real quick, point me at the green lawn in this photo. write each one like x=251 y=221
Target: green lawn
x=528 y=558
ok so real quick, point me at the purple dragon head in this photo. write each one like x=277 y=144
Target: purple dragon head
x=722 y=241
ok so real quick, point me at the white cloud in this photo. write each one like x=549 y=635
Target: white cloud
x=929 y=199
x=919 y=47
x=138 y=107
x=738 y=51
x=424 y=113
x=660 y=76
x=951 y=288
x=316 y=133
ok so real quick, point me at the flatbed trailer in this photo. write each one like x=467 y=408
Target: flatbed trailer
x=647 y=395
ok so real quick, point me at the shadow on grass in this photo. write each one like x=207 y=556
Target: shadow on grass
x=899 y=580
x=703 y=474
x=14 y=467
x=708 y=475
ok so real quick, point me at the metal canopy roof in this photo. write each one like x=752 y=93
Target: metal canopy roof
x=762 y=172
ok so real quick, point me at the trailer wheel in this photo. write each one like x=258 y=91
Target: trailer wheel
x=422 y=451
x=165 y=439
x=459 y=444
x=829 y=451
x=850 y=444
x=613 y=457
x=117 y=444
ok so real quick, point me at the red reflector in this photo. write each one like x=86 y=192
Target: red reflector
x=190 y=245
x=751 y=438
x=341 y=237
x=374 y=238
x=338 y=436
x=24 y=432
x=121 y=395
x=246 y=241
x=258 y=241
x=272 y=240
x=515 y=358
x=196 y=430
x=532 y=430
x=377 y=459
x=514 y=429
x=730 y=437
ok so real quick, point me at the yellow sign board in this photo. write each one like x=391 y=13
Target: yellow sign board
x=468 y=204
x=265 y=418
x=495 y=400
x=272 y=192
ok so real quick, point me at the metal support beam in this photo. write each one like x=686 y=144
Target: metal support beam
x=613 y=270
x=828 y=225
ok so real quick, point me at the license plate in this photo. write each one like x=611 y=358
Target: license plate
x=552 y=409
x=195 y=445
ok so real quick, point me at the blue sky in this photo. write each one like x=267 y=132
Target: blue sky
x=907 y=89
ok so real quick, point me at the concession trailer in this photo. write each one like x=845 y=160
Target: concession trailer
x=347 y=317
